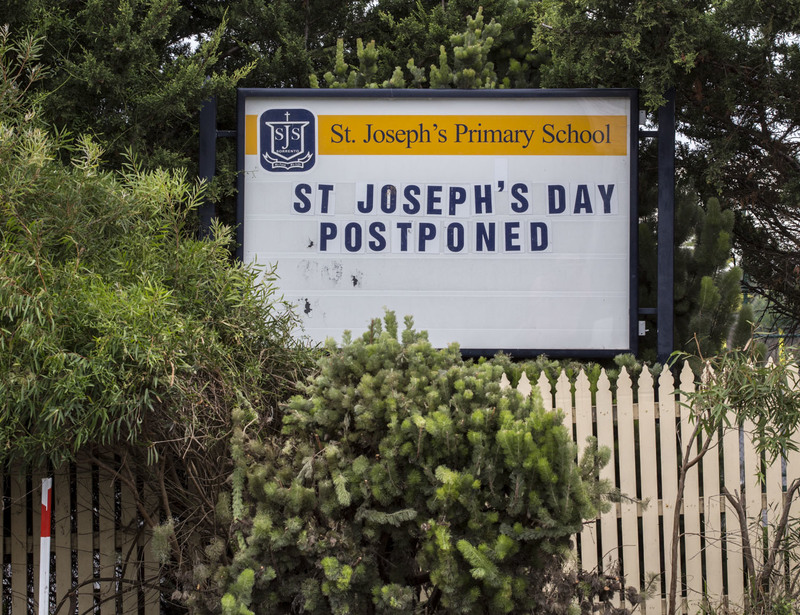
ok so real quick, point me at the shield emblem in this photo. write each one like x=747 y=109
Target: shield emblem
x=287 y=140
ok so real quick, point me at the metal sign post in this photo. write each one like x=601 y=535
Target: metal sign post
x=666 y=228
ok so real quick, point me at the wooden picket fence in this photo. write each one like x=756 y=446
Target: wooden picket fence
x=100 y=559
x=644 y=427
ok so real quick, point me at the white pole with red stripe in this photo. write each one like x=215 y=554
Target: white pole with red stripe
x=44 y=547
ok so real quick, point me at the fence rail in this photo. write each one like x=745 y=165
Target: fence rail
x=647 y=439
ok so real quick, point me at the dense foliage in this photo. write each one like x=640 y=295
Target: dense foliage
x=734 y=67
x=135 y=74
x=118 y=329
x=407 y=482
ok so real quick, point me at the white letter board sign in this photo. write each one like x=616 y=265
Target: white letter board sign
x=501 y=220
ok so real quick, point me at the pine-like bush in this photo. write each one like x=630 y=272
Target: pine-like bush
x=407 y=481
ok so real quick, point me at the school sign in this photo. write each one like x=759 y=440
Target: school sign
x=501 y=220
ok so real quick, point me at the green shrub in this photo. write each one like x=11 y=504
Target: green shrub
x=123 y=335
x=407 y=481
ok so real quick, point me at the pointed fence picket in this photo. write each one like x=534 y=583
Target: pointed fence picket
x=583 y=425
x=609 y=534
x=668 y=439
x=629 y=556
x=692 y=552
x=647 y=427
x=648 y=480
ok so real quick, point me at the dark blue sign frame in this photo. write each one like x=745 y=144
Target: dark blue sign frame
x=633 y=147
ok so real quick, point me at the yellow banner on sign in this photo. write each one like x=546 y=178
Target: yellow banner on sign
x=250 y=131
x=473 y=135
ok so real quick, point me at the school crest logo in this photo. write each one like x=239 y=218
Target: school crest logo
x=287 y=140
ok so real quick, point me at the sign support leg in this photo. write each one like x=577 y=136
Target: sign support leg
x=666 y=228
x=207 y=161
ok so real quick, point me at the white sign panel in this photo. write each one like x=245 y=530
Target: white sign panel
x=498 y=221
